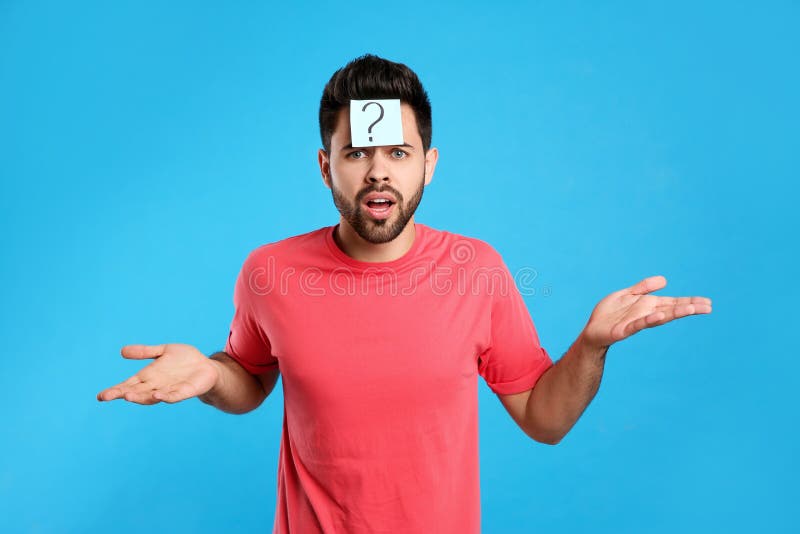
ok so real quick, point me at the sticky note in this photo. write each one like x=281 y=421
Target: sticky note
x=375 y=123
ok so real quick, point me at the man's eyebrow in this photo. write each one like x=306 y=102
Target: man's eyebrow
x=348 y=146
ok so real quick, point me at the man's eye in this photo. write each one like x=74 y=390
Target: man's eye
x=357 y=154
x=399 y=153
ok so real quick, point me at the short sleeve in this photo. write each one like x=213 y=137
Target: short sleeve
x=514 y=360
x=247 y=343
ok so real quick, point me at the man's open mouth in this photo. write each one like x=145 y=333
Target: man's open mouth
x=379 y=208
x=380 y=204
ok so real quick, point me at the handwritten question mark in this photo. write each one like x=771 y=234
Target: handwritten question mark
x=369 y=130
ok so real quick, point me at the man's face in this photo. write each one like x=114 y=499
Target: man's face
x=397 y=173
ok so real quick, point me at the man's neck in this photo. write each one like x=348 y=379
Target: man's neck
x=362 y=250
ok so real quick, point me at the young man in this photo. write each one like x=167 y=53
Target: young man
x=379 y=327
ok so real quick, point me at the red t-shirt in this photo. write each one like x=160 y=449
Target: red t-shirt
x=379 y=363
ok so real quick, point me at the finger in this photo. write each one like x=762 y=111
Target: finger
x=176 y=393
x=648 y=321
x=648 y=285
x=683 y=300
x=140 y=352
x=141 y=394
x=120 y=390
x=141 y=398
x=663 y=315
x=109 y=394
x=682 y=310
x=117 y=391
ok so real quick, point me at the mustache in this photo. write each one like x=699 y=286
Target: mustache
x=385 y=189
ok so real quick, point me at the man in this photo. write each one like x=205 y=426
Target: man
x=379 y=327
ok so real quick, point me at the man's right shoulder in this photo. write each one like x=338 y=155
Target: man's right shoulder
x=288 y=248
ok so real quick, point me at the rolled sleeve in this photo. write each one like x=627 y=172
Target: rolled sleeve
x=247 y=342
x=515 y=360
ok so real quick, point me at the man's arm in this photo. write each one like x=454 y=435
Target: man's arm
x=549 y=410
x=236 y=390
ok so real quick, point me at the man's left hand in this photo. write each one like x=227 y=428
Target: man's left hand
x=623 y=313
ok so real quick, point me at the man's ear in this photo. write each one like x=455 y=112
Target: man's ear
x=324 y=167
x=431 y=157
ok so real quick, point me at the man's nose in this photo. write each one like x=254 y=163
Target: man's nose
x=379 y=172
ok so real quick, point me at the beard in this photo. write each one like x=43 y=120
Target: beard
x=378 y=230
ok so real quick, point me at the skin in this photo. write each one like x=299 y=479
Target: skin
x=545 y=412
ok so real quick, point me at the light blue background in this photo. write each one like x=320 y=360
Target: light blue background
x=146 y=148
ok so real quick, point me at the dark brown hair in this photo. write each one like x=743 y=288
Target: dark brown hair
x=372 y=77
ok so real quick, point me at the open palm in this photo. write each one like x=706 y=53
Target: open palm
x=179 y=372
x=623 y=313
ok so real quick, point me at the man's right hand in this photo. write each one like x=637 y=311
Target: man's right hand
x=179 y=372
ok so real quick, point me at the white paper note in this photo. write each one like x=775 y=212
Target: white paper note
x=375 y=123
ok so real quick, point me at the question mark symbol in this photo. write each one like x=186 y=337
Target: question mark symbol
x=369 y=130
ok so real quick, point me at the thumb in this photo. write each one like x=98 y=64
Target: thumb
x=648 y=285
x=141 y=352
